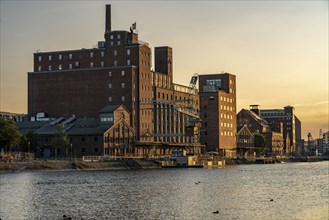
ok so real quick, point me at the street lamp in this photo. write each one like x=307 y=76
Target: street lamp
x=71 y=151
x=28 y=151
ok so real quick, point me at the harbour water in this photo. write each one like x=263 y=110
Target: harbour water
x=273 y=191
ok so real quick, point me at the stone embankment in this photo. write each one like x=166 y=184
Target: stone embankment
x=70 y=165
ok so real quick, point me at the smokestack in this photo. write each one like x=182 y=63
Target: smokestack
x=255 y=108
x=108 y=19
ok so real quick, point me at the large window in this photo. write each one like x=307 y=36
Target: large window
x=217 y=83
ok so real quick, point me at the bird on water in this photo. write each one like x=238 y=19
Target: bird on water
x=66 y=218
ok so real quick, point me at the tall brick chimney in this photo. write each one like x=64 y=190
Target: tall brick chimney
x=108 y=19
x=255 y=108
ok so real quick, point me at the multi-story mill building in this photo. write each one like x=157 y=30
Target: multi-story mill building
x=218 y=113
x=118 y=71
x=291 y=126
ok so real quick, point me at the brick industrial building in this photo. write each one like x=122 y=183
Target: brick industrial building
x=291 y=126
x=81 y=82
x=218 y=113
x=253 y=121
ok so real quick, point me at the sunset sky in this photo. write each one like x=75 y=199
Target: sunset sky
x=278 y=50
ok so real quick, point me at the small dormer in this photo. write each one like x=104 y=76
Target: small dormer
x=106 y=115
x=114 y=113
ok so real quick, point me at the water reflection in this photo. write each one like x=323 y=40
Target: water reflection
x=298 y=190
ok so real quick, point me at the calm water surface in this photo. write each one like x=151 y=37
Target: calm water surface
x=298 y=190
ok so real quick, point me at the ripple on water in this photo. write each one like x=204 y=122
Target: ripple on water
x=298 y=190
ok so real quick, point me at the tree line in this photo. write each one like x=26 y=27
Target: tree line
x=12 y=139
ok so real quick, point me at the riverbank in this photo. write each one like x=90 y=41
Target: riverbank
x=70 y=165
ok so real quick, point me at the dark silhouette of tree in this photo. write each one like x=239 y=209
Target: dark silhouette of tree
x=10 y=136
x=29 y=141
x=259 y=143
x=60 y=138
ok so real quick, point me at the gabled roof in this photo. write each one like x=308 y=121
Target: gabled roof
x=112 y=108
x=242 y=128
x=109 y=108
x=89 y=126
x=257 y=118
x=26 y=126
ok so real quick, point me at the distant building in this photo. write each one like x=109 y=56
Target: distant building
x=291 y=126
x=218 y=113
x=326 y=143
x=255 y=123
x=14 y=116
x=323 y=144
x=245 y=142
x=109 y=135
x=117 y=72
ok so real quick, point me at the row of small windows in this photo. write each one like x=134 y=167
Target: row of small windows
x=145 y=75
x=122 y=73
x=226 y=133
x=226 y=99
x=281 y=113
x=110 y=119
x=227 y=116
x=115 y=63
x=146 y=88
x=112 y=36
x=226 y=125
x=118 y=43
x=228 y=108
x=146 y=112
x=70 y=66
x=145 y=125
x=123 y=98
x=122 y=85
x=60 y=56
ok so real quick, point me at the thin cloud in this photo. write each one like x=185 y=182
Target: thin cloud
x=312 y=104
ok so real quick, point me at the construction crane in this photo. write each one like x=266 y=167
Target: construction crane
x=311 y=145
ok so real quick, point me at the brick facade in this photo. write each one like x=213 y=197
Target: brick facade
x=218 y=112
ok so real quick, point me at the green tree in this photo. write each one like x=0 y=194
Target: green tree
x=10 y=136
x=29 y=141
x=259 y=143
x=60 y=138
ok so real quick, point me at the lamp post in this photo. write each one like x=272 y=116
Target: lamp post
x=71 y=151
x=28 y=151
